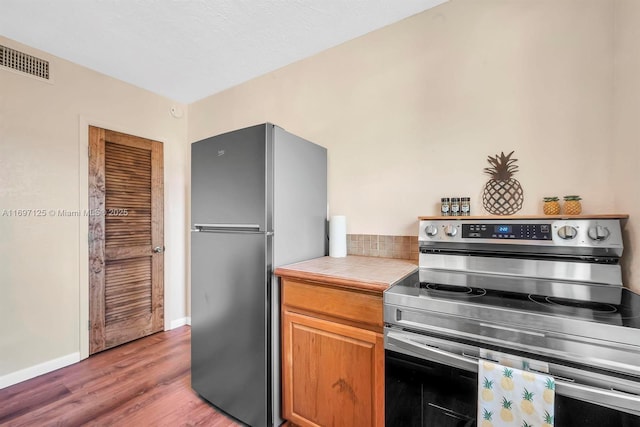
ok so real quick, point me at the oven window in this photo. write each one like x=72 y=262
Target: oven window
x=421 y=393
x=574 y=413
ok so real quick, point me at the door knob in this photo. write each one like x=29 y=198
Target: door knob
x=158 y=249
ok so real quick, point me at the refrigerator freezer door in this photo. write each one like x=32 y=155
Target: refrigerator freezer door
x=229 y=323
x=228 y=178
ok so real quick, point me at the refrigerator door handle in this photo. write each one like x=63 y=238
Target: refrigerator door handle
x=228 y=228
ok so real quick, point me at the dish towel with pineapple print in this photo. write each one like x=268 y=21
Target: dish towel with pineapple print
x=513 y=397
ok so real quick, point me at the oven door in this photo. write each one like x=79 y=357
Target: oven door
x=434 y=382
x=420 y=392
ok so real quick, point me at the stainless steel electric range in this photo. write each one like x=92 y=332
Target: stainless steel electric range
x=548 y=290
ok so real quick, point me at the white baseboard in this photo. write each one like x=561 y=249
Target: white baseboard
x=37 y=370
x=180 y=322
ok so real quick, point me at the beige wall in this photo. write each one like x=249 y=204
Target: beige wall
x=43 y=165
x=410 y=112
x=625 y=174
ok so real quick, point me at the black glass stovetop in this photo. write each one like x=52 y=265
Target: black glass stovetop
x=626 y=314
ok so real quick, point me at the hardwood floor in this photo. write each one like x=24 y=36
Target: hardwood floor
x=143 y=383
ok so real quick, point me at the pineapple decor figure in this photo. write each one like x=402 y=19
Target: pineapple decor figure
x=572 y=205
x=551 y=206
x=502 y=194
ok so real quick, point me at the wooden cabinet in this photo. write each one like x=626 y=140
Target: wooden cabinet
x=333 y=355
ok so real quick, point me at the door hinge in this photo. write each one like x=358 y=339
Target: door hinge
x=89 y=325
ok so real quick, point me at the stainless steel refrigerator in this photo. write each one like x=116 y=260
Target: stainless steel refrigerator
x=258 y=200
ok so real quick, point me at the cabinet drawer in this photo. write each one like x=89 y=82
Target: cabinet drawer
x=352 y=305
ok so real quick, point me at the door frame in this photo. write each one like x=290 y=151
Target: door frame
x=83 y=231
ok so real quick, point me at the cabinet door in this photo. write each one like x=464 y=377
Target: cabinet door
x=333 y=373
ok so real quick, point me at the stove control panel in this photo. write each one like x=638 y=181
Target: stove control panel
x=507 y=231
x=603 y=234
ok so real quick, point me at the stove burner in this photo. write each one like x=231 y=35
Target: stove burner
x=594 y=307
x=453 y=291
x=446 y=288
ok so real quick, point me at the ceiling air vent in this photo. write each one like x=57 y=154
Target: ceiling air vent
x=24 y=63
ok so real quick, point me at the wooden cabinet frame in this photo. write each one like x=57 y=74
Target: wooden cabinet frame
x=332 y=355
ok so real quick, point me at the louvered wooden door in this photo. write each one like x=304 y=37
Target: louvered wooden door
x=126 y=288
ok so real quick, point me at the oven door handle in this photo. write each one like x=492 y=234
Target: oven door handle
x=425 y=351
x=614 y=399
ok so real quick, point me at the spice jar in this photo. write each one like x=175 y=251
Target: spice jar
x=445 y=206
x=455 y=206
x=465 y=206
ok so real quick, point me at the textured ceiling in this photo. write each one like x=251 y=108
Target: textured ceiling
x=189 y=49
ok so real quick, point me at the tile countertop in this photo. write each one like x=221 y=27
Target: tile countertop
x=356 y=272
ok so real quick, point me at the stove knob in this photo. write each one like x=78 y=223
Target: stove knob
x=567 y=232
x=450 y=230
x=431 y=230
x=598 y=233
